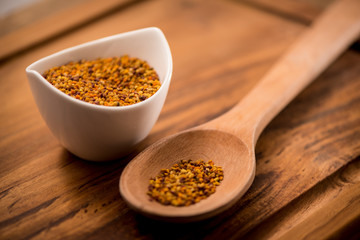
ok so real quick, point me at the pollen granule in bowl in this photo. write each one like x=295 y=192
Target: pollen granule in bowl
x=185 y=183
x=116 y=81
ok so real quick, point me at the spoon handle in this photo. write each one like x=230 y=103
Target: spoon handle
x=321 y=44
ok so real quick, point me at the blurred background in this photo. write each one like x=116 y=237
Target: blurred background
x=19 y=13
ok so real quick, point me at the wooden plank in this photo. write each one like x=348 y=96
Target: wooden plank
x=57 y=24
x=328 y=210
x=45 y=192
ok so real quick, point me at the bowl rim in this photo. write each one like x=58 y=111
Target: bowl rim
x=167 y=78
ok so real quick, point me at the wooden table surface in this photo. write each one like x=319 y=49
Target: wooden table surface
x=307 y=183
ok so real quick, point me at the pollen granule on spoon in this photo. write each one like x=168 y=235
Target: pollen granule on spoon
x=185 y=183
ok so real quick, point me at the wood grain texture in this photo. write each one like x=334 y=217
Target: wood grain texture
x=52 y=26
x=220 y=49
x=328 y=210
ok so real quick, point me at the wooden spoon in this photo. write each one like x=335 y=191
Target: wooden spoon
x=230 y=139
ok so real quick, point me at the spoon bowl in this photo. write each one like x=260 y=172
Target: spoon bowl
x=230 y=139
x=238 y=166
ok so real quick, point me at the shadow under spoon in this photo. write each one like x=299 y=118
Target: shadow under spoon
x=230 y=139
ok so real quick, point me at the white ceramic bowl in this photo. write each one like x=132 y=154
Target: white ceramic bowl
x=101 y=133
